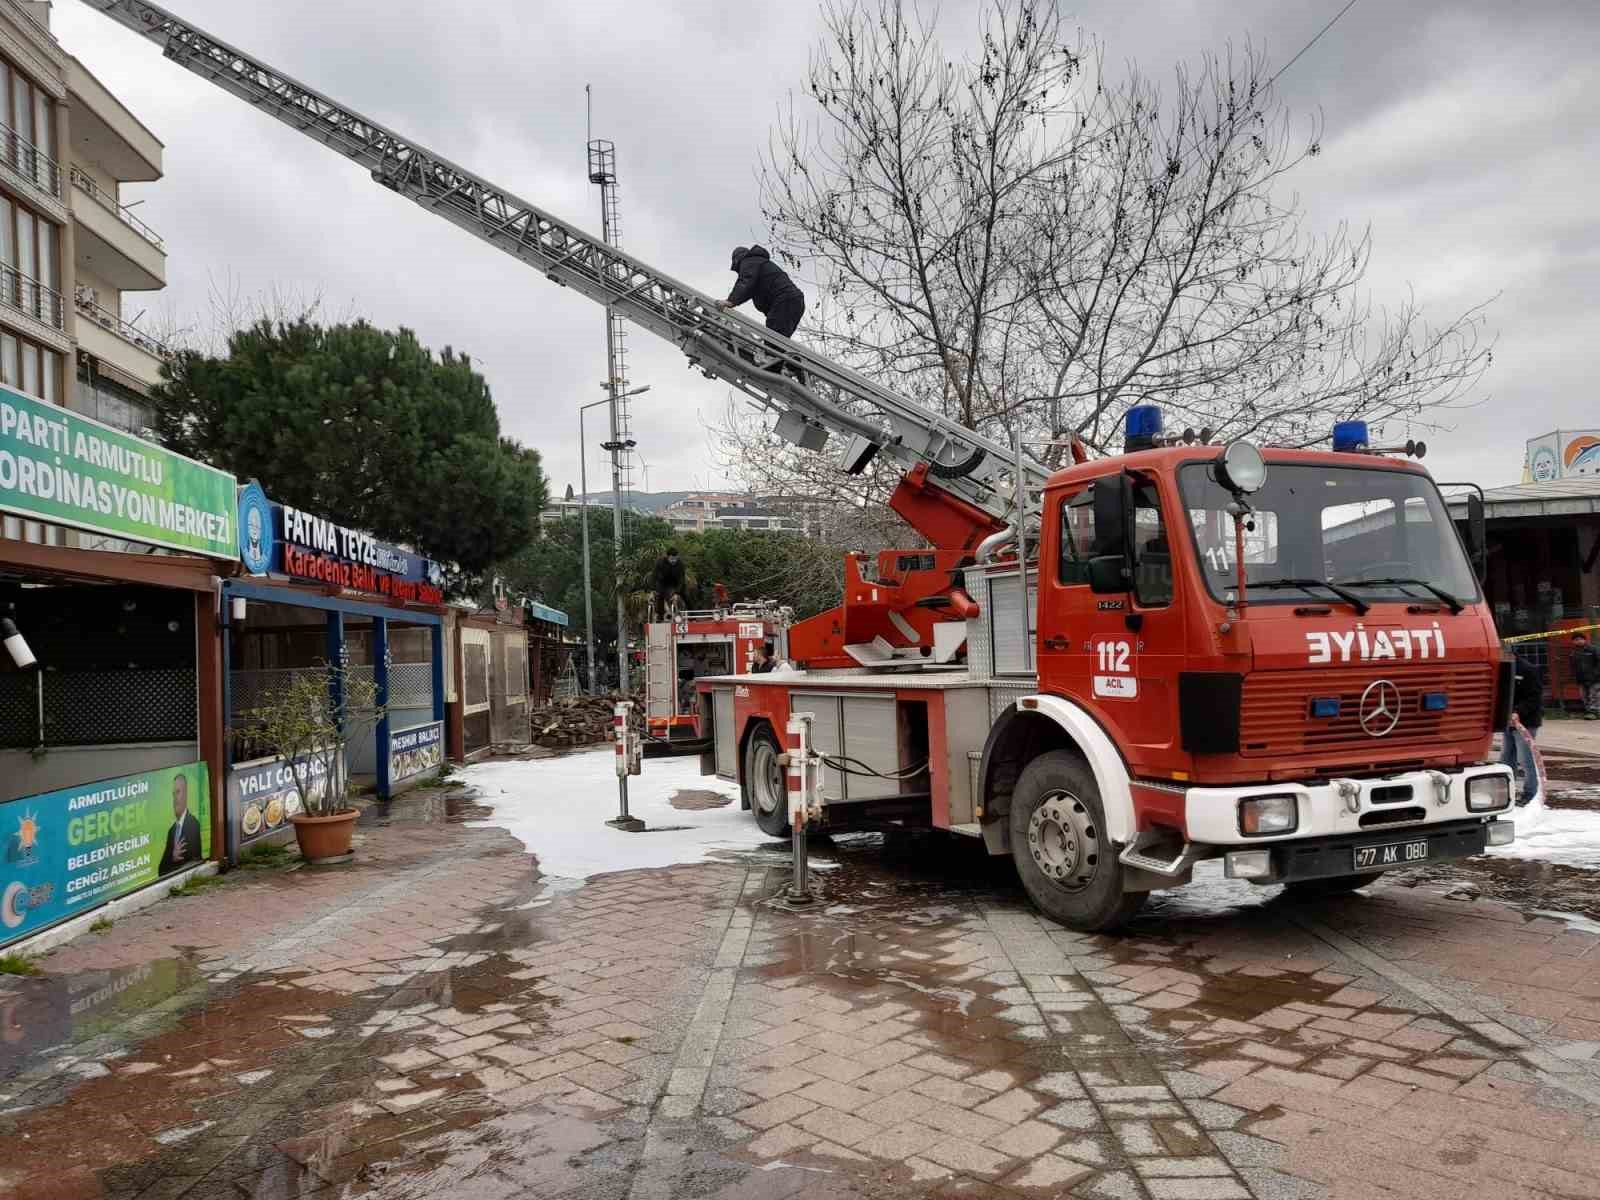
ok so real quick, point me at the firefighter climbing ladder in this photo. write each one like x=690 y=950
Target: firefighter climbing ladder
x=834 y=399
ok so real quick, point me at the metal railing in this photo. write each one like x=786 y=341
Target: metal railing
x=86 y=184
x=109 y=320
x=25 y=158
x=38 y=300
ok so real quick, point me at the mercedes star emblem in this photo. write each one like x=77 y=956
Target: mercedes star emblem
x=1380 y=708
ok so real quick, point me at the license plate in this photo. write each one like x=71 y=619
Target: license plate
x=1390 y=854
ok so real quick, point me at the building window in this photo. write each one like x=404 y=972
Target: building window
x=118 y=406
x=28 y=245
x=28 y=112
x=30 y=368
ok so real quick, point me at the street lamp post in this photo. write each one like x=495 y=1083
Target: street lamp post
x=616 y=547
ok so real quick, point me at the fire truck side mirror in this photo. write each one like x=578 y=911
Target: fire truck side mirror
x=1111 y=567
x=1477 y=534
x=1109 y=573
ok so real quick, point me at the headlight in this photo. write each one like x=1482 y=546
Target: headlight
x=1486 y=793
x=1260 y=816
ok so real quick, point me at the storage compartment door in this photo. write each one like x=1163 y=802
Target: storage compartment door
x=727 y=737
x=825 y=737
x=871 y=736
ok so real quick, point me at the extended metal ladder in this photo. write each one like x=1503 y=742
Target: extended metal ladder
x=834 y=399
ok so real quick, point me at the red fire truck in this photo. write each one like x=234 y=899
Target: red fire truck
x=1279 y=658
x=697 y=643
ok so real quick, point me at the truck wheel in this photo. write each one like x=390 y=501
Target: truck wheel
x=1062 y=851
x=767 y=782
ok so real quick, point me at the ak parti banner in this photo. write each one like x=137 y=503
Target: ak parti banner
x=68 y=851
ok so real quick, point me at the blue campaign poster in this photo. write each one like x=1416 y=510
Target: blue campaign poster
x=65 y=852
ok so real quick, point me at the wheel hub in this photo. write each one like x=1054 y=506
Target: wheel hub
x=770 y=785
x=1063 y=841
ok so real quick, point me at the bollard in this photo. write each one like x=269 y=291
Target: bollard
x=802 y=782
x=628 y=753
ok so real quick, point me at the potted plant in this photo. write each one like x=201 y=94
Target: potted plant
x=308 y=722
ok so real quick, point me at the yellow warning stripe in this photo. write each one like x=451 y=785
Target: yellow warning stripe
x=1534 y=637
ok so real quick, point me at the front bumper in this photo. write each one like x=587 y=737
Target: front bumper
x=1323 y=858
x=1380 y=808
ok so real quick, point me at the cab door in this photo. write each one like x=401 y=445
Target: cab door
x=1115 y=651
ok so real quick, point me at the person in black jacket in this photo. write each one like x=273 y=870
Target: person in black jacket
x=183 y=839
x=669 y=580
x=1586 y=666
x=1526 y=717
x=768 y=286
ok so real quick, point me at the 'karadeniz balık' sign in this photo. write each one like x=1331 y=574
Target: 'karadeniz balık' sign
x=65 y=852
x=58 y=466
x=413 y=751
x=314 y=548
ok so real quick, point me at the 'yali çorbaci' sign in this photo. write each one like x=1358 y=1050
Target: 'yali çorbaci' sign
x=286 y=540
x=262 y=796
x=58 y=466
x=65 y=852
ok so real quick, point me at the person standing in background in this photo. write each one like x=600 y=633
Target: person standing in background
x=1586 y=667
x=1526 y=716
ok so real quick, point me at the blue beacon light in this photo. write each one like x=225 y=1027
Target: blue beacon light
x=1350 y=436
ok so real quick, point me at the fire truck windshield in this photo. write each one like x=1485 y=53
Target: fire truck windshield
x=1381 y=534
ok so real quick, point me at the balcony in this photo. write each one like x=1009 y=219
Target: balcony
x=32 y=298
x=106 y=134
x=112 y=244
x=112 y=340
x=32 y=164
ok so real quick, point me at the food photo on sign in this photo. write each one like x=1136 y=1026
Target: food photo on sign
x=261 y=796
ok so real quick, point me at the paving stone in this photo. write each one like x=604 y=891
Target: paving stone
x=1244 y=1150
x=1026 y=1140
x=1196 y=1189
x=777 y=1111
x=776 y=1142
x=968 y=1158
x=1181 y=1167
x=1048 y=1173
x=1073 y=1114
x=832 y=1125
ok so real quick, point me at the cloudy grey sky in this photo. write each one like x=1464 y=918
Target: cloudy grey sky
x=1463 y=131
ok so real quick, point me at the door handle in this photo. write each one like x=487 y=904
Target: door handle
x=1056 y=643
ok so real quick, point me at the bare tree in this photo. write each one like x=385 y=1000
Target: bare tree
x=1022 y=243
x=1169 y=270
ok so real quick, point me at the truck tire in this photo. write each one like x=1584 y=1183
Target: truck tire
x=766 y=782
x=1062 y=851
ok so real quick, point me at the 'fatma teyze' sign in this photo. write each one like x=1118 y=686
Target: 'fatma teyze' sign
x=317 y=549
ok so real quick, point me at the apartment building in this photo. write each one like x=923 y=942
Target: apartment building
x=74 y=252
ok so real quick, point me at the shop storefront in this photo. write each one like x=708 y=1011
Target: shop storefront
x=317 y=593
x=111 y=739
x=493 y=669
x=548 y=651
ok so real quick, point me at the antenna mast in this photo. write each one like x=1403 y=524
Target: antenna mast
x=603 y=174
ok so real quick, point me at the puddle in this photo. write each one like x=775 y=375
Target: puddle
x=291 y=1088
x=698 y=799
x=42 y=1017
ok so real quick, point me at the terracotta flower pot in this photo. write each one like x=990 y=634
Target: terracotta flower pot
x=323 y=839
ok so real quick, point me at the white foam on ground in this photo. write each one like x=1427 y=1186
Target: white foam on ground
x=1568 y=836
x=558 y=808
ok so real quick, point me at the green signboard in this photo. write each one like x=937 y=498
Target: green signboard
x=58 y=466
x=65 y=852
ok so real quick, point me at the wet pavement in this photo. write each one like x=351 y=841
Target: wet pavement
x=440 y=1019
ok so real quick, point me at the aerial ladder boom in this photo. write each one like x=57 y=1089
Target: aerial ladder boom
x=977 y=472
